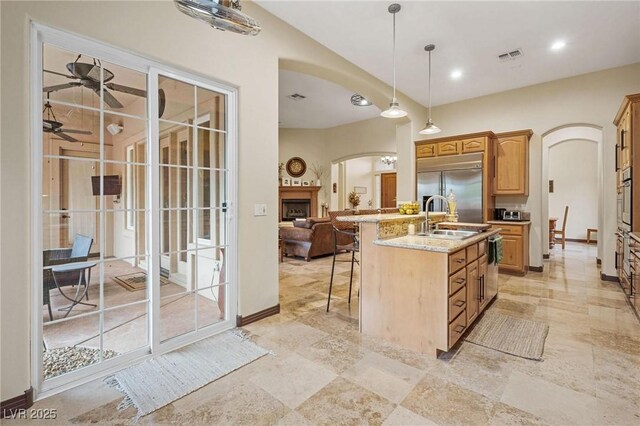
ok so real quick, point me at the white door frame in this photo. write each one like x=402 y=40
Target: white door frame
x=40 y=34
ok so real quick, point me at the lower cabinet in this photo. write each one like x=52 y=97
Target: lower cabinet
x=471 y=288
x=515 y=247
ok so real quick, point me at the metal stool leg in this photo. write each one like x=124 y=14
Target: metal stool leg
x=333 y=267
x=353 y=258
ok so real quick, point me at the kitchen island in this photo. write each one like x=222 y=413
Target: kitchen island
x=418 y=291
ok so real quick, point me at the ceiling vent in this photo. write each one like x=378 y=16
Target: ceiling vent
x=297 y=97
x=514 y=54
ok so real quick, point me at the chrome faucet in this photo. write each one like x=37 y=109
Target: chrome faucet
x=425 y=224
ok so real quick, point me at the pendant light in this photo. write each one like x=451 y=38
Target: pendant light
x=394 y=110
x=430 y=128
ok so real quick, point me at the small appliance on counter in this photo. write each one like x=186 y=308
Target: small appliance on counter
x=498 y=214
x=516 y=216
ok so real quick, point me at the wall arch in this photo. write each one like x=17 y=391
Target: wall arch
x=557 y=135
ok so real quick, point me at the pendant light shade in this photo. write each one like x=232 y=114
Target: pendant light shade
x=430 y=128
x=394 y=110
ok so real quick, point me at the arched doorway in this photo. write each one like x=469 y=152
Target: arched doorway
x=587 y=133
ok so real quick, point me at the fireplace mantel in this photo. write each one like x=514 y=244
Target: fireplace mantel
x=299 y=193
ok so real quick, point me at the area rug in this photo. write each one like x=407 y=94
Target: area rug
x=515 y=336
x=57 y=361
x=136 y=281
x=159 y=381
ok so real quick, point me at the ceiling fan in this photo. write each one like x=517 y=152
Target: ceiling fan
x=88 y=75
x=52 y=125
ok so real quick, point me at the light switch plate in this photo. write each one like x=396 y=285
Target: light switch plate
x=259 y=209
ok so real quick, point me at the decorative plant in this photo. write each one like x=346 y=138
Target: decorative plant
x=354 y=199
x=280 y=168
x=318 y=170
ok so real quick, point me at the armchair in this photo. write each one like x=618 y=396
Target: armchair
x=79 y=252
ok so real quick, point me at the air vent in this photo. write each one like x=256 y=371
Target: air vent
x=297 y=97
x=514 y=54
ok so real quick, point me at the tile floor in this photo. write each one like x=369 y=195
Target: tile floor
x=325 y=372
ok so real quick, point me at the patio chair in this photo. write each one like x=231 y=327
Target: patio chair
x=79 y=252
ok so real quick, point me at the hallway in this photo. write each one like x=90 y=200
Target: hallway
x=325 y=371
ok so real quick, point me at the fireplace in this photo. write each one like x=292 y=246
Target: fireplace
x=293 y=209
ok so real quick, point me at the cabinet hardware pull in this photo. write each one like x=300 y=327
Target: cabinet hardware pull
x=459 y=329
x=460 y=303
x=460 y=260
x=460 y=280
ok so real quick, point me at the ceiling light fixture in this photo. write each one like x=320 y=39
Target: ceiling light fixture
x=558 y=45
x=359 y=100
x=388 y=159
x=456 y=74
x=430 y=128
x=394 y=110
x=115 y=128
x=223 y=15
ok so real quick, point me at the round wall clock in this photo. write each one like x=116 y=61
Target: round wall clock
x=296 y=167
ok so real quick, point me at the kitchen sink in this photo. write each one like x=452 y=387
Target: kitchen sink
x=449 y=234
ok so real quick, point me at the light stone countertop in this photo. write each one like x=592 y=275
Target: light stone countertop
x=425 y=243
x=375 y=218
x=509 y=222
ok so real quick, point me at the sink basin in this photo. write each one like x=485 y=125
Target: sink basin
x=448 y=234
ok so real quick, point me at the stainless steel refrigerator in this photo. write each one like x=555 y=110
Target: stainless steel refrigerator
x=460 y=173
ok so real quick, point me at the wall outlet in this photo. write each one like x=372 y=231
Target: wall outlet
x=259 y=209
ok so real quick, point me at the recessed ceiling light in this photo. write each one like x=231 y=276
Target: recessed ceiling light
x=558 y=45
x=456 y=74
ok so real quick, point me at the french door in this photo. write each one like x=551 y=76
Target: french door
x=134 y=189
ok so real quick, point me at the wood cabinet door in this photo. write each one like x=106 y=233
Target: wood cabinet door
x=449 y=148
x=512 y=249
x=624 y=136
x=511 y=166
x=425 y=151
x=473 y=145
x=472 y=291
x=388 y=190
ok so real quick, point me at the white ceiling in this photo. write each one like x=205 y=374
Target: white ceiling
x=326 y=105
x=469 y=36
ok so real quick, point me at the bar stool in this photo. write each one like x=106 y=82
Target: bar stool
x=343 y=231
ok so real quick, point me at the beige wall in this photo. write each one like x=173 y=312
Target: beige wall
x=157 y=30
x=590 y=98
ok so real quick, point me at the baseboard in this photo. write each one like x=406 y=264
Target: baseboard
x=545 y=256
x=10 y=407
x=611 y=278
x=536 y=268
x=242 y=321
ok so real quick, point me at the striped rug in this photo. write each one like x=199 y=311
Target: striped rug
x=515 y=336
x=159 y=381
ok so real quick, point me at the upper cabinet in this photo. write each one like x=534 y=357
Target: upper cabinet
x=627 y=122
x=511 y=163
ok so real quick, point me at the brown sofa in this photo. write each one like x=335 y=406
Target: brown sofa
x=310 y=238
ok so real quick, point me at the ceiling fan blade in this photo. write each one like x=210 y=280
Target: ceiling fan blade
x=60 y=87
x=94 y=73
x=127 y=89
x=111 y=100
x=78 y=132
x=60 y=74
x=66 y=137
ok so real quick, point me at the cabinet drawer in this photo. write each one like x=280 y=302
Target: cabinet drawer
x=473 y=145
x=423 y=151
x=449 y=148
x=509 y=229
x=472 y=252
x=457 y=328
x=482 y=247
x=457 y=261
x=457 y=303
x=457 y=280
